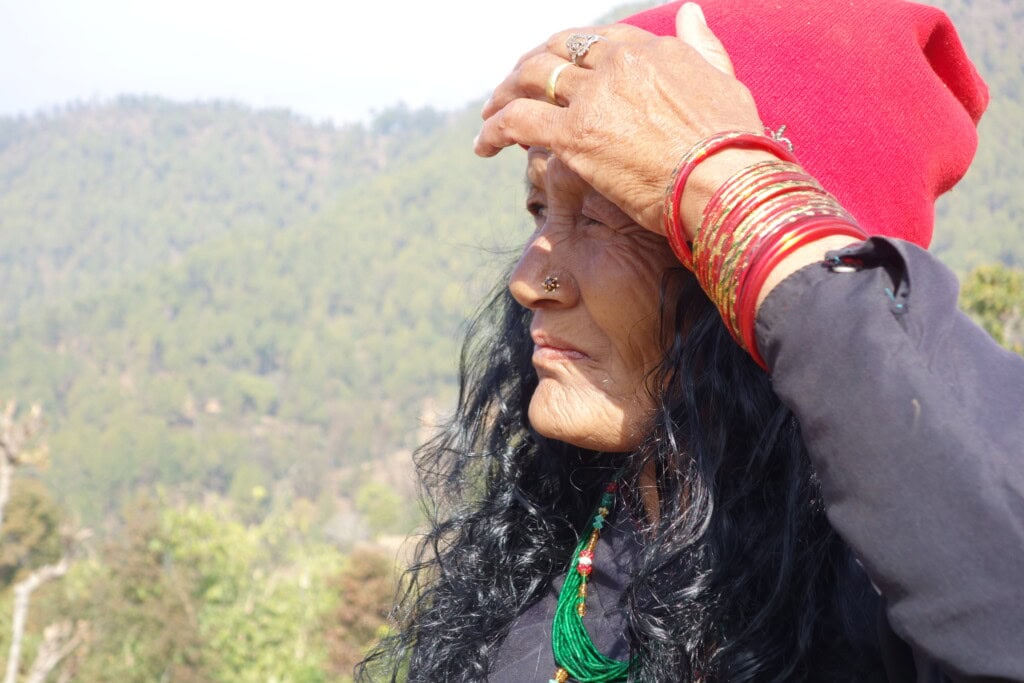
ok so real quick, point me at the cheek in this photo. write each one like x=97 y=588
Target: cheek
x=607 y=406
x=631 y=271
x=627 y=286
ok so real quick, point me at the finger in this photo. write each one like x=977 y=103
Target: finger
x=692 y=27
x=621 y=33
x=500 y=96
x=533 y=80
x=540 y=49
x=556 y=45
x=524 y=122
x=584 y=49
x=592 y=57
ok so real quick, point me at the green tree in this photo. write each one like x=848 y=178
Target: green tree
x=382 y=508
x=260 y=591
x=142 y=611
x=31 y=531
x=366 y=592
x=994 y=296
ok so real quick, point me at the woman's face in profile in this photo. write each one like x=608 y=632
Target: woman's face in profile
x=596 y=332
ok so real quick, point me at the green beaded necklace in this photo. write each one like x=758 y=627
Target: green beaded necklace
x=575 y=653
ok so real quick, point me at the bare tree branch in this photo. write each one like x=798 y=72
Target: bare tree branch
x=59 y=640
x=22 y=594
x=14 y=434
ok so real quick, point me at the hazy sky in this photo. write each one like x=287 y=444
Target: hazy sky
x=338 y=60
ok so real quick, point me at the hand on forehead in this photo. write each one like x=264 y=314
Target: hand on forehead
x=548 y=174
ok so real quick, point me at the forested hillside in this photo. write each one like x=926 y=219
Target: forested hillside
x=239 y=322
x=91 y=194
x=191 y=287
x=982 y=219
x=240 y=373
x=301 y=316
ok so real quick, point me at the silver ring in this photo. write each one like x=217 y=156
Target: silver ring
x=579 y=44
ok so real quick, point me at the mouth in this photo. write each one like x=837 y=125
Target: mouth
x=551 y=349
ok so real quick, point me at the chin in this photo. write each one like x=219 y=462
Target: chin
x=597 y=425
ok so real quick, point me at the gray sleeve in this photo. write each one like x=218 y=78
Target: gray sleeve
x=914 y=420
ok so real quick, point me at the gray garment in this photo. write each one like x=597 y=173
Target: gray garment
x=914 y=420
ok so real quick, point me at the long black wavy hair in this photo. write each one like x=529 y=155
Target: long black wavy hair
x=741 y=578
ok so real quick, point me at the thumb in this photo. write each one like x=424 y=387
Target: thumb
x=693 y=29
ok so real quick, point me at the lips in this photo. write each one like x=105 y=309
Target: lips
x=549 y=347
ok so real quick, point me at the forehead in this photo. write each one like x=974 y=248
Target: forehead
x=545 y=172
x=536 y=166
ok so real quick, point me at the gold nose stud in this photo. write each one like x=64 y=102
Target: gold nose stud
x=550 y=284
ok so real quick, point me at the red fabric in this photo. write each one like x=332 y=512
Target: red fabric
x=879 y=99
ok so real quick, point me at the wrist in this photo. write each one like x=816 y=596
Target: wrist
x=701 y=153
x=804 y=256
x=762 y=223
x=708 y=177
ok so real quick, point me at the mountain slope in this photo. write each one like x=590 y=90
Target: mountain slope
x=208 y=296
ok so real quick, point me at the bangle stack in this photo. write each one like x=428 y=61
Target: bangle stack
x=757 y=218
x=671 y=218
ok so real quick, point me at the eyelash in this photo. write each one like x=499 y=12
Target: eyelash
x=536 y=209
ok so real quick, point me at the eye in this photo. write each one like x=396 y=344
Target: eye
x=598 y=211
x=538 y=210
x=595 y=219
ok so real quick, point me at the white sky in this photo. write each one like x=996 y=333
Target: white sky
x=338 y=60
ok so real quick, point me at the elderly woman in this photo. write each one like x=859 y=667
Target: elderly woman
x=725 y=423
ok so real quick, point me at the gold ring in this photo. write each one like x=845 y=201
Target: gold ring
x=553 y=80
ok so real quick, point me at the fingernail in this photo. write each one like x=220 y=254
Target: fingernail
x=486 y=105
x=476 y=140
x=696 y=12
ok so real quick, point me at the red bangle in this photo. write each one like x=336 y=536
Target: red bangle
x=722 y=239
x=769 y=256
x=754 y=220
x=744 y=183
x=722 y=267
x=699 y=152
x=737 y=197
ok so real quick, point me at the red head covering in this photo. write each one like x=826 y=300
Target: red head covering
x=878 y=97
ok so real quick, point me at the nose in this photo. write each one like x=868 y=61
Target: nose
x=542 y=278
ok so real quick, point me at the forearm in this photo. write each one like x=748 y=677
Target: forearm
x=914 y=420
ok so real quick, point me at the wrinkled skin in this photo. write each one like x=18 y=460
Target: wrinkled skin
x=596 y=334
x=597 y=204
x=600 y=161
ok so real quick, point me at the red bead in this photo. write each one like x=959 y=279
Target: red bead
x=612 y=487
x=584 y=569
